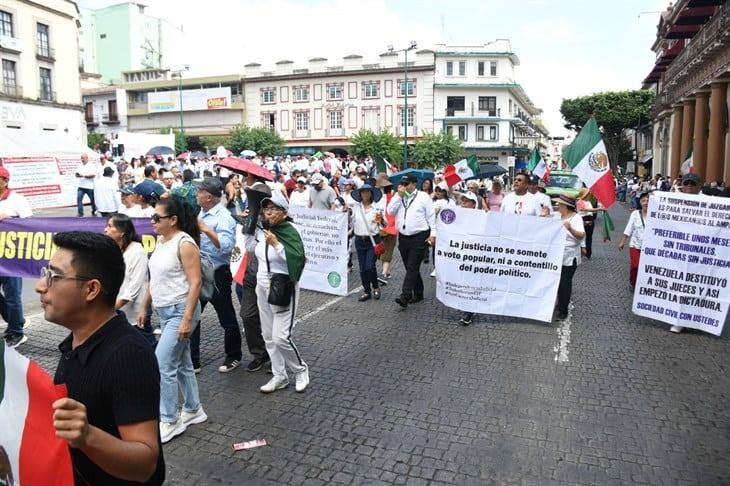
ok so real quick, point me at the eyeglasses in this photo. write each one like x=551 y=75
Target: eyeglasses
x=689 y=183
x=156 y=218
x=50 y=276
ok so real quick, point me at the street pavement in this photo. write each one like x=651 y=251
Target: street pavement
x=410 y=397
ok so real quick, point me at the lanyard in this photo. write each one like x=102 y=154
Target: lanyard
x=410 y=203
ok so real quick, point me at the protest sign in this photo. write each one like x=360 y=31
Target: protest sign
x=685 y=262
x=325 y=245
x=498 y=263
x=26 y=244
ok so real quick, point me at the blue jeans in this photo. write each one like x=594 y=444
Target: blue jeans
x=80 y=200
x=176 y=367
x=366 y=259
x=11 y=304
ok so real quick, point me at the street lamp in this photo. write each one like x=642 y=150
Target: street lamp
x=178 y=74
x=405 y=97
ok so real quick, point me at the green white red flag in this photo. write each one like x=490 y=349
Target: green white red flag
x=538 y=166
x=588 y=158
x=382 y=164
x=463 y=170
x=30 y=452
x=688 y=166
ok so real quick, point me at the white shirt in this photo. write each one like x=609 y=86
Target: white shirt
x=115 y=175
x=543 y=201
x=15 y=206
x=134 y=285
x=168 y=282
x=572 y=244
x=256 y=244
x=440 y=204
x=525 y=204
x=299 y=198
x=107 y=197
x=415 y=215
x=635 y=229
x=366 y=226
x=134 y=212
x=87 y=169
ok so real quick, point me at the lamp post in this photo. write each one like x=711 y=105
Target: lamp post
x=178 y=74
x=405 y=99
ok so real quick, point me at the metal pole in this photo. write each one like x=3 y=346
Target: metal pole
x=405 y=114
x=179 y=94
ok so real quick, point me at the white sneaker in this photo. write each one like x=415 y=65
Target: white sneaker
x=433 y=274
x=676 y=329
x=169 y=430
x=301 y=380
x=191 y=418
x=276 y=383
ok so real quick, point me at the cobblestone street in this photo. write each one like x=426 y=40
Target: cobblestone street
x=411 y=397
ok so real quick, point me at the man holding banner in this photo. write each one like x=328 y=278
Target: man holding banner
x=12 y=205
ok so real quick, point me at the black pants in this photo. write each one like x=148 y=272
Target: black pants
x=565 y=288
x=412 y=248
x=588 y=224
x=223 y=305
x=251 y=320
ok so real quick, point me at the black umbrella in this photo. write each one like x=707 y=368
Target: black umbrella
x=198 y=154
x=487 y=171
x=161 y=150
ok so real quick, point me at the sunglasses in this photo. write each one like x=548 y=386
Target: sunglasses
x=689 y=183
x=156 y=218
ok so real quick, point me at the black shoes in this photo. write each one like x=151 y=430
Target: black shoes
x=229 y=365
x=417 y=298
x=257 y=364
x=364 y=297
x=402 y=301
x=376 y=294
x=465 y=321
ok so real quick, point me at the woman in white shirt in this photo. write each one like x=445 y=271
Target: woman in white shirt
x=635 y=231
x=574 y=234
x=367 y=223
x=300 y=194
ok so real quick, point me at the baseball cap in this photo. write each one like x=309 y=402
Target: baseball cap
x=127 y=190
x=409 y=179
x=470 y=196
x=534 y=179
x=278 y=199
x=317 y=178
x=213 y=185
x=691 y=178
x=148 y=189
x=303 y=180
x=4 y=173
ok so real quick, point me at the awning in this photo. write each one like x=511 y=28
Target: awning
x=682 y=31
x=705 y=3
x=663 y=61
x=694 y=15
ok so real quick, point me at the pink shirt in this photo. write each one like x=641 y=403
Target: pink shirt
x=495 y=201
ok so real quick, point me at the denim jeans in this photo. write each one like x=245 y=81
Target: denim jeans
x=176 y=367
x=366 y=259
x=11 y=304
x=80 y=200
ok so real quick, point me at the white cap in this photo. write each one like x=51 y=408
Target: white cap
x=470 y=196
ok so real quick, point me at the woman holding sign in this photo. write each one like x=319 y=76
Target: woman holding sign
x=635 y=231
x=574 y=234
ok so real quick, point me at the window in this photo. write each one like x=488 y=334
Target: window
x=301 y=93
x=408 y=118
x=46 y=91
x=10 y=79
x=449 y=68
x=6 y=23
x=462 y=68
x=454 y=104
x=89 y=112
x=404 y=89
x=334 y=91
x=301 y=120
x=493 y=68
x=486 y=133
x=268 y=120
x=113 y=114
x=488 y=103
x=370 y=89
x=42 y=44
x=268 y=95
x=510 y=106
x=459 y=131
x=336 y=119
x=481 y=68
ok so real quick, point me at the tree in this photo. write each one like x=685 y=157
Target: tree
x=212 y=142
x=367 y=143
x=94 y=139
x=615 y=112
x=181 y=143
x=263 y=141
x=436 y=150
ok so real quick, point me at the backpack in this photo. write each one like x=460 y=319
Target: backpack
x=207 y=274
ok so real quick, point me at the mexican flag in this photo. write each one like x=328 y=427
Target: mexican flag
x=30 y=452
x=588 y=158
x=688 y=166
x=463 y=170
x=382 y=164
x=538 y=166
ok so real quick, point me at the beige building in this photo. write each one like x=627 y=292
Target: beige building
x=691 y=76
x=40 y=88
x=320 y=106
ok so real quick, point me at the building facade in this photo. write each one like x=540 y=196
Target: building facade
x=477 y=98
x=690 y=76
x=105 y=109
x=40 y=88
x=319 y=107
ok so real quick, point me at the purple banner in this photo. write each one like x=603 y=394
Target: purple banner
x=26 y=244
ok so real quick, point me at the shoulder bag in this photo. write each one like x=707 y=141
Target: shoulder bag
x=281 y=287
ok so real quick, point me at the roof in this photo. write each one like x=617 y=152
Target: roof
x=511 y=55
x=98 y=90
x=170 y=83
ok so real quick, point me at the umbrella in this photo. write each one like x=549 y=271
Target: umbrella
x=198 y=154
x=421 y=174
x=246 y=167
x=487 y=171
x=248 y=153
x=160 y=150
x=183 y=156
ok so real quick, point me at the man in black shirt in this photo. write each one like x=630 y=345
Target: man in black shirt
x=111 y=416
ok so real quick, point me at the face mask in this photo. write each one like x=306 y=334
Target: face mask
x=407 y=194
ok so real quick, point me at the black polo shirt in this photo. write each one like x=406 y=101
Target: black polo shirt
x=114 y=374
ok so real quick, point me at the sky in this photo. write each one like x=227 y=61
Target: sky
x=567 y=48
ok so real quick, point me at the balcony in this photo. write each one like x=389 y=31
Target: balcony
x=110 y=119
x=335 y=132
x=45 y=53
x=451 y=112
x=46 y=95
x=10 y=44
x=401 y=131
x=11 y=90
x=300 y=133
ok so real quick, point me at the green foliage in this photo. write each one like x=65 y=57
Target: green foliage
x=367 y=143
x=435 y=150
x=615 y=111
x=181 y=143
x=263 y=141
x=212 y=142
x=93 y=139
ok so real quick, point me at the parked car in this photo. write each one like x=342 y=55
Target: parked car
x=563 y=182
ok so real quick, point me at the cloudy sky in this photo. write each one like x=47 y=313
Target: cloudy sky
x=567 y=48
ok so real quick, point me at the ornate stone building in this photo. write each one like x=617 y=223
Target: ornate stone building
x=691 y=77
